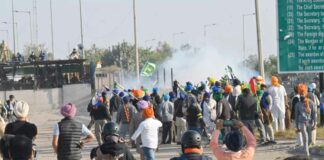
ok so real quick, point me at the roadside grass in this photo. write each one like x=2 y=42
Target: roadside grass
x=291 y=134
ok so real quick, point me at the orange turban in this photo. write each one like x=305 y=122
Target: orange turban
x=275 y=81
x=302 y=90
x=148 y=112
x=138 y=93
x=228 y=89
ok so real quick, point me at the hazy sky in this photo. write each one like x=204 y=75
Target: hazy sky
x=107 y=22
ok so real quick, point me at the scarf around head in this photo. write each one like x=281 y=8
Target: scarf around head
x=302 y=90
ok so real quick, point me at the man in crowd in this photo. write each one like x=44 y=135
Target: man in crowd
x=101 y=116
x=191 y=146
x=247 y=106
x=115 y=102
x=194 y=118
x=209 y=113
x=305 y=117
x=148 y=129
x=180 y=121
x=124 y=116
x=166 y=112
x=67 y=138
x=10 y=107
x=279 y=103
x=114 y=146
x=266 y=105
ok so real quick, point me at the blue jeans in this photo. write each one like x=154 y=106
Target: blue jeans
x=149 y=153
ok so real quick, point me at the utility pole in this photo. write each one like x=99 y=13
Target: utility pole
x=13 y=26
x=30 y=24
x=261 y=63
x=52 y=32
x=136 y=45
x=81 y=28
x=35 y=21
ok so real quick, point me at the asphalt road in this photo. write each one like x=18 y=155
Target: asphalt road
x=46 y=120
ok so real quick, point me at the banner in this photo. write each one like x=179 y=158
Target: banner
x=148 y=69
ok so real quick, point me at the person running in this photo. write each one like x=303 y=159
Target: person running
x=234 y=142
x=124 y=116
x=148 y=129
x=114 y=146
x=279 y=102
x=191 y=147
x=67 y=138
x=166 y=112
x=306 y=117
x=135 y=122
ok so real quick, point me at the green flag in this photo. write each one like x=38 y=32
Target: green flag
x=148 y=69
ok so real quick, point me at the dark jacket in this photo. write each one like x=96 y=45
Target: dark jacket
x=247 y=106
x=101 y=113
x=118 y=151
x=194 y=116
x=115 y=102
x=191 y=156
x=295 y=100
x=69 y=147
x=226 y=109
x=178 y=105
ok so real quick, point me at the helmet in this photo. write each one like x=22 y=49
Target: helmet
x=191 y=139
x=110 y=129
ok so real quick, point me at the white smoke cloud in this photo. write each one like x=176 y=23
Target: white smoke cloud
x=208 y=62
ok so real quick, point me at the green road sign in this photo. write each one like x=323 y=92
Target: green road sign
x=301 y=36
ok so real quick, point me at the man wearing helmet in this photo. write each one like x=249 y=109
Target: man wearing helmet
x=114 y=147
x=191 y=147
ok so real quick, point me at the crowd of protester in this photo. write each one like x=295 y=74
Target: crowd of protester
x=222 y=114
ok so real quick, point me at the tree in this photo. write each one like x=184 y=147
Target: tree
x=270 y=64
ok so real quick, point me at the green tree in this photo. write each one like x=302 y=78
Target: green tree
x=270 y=64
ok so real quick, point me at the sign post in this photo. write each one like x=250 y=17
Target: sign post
x=301 y=36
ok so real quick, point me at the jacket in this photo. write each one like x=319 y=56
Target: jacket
x=101 y=113
x=166 y=111
x=302 y=116
x=247 y=106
